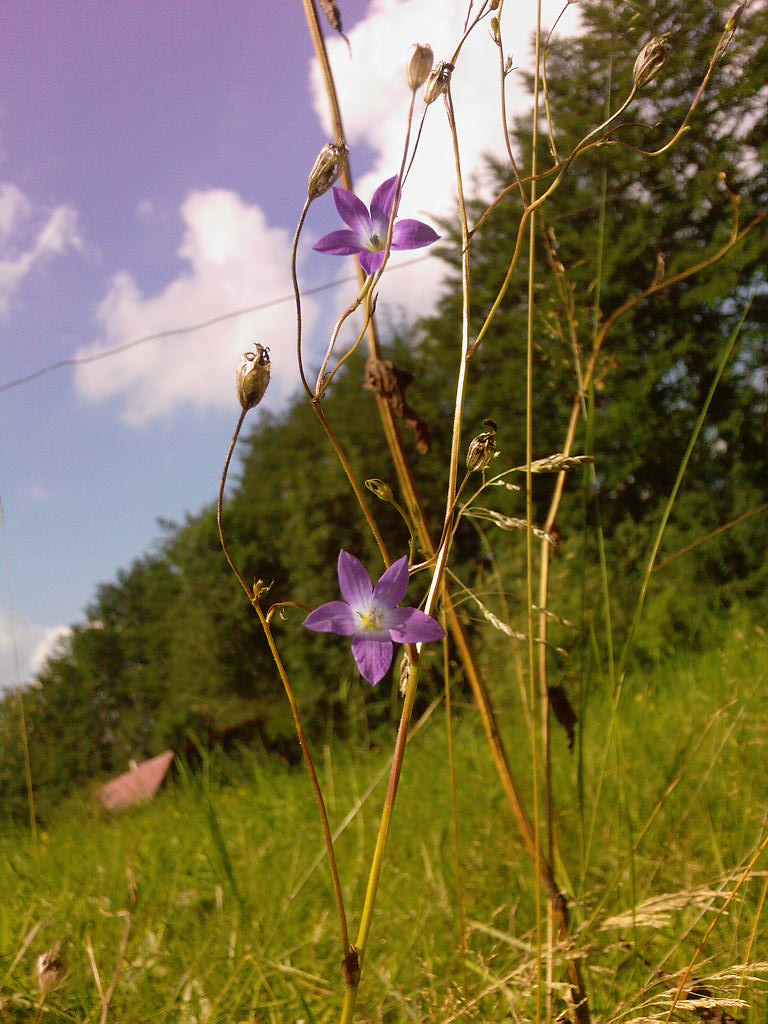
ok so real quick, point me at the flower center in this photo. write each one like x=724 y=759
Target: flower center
x=370 y=620
x=376 y=242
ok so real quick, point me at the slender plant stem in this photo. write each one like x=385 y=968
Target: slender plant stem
x=253 y=594
x=665 y=562
x=340 y=453
x=503 y=95
x=20 y=696
x=725 y=356
x=461 y=919
x=529 y=514
x=297 y=294
x=350 y=993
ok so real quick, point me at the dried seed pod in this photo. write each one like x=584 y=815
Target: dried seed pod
x=438 y=81
x=253 y=377
x=50 y=969
x=405 y=673
x=649 y=61
x=419 y=66
x=482 y=449
x=332 y=13
x=327 y=170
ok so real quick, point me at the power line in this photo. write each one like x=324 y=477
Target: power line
x=107 y=353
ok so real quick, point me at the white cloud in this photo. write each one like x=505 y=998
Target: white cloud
x=28 y=237
x=232 y=259
x=31 y=642
x=374 y=100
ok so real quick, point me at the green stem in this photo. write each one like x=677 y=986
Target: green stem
x=253 y=595
x=529 y=518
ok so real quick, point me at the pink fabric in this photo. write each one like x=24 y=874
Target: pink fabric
x=137 y=785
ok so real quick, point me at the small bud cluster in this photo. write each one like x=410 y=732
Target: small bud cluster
x=253 y=377
x=327 y=169
x=482 y=449
x=649 y=61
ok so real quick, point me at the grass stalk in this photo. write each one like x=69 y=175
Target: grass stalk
x=532 y=698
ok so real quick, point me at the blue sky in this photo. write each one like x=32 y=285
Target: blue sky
x=153 y=163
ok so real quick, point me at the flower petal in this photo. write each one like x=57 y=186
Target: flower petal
x=391 y=588
x=381 y=206
x=333 y=617
x=413 y=626
x=371 y=261
x=373 y=658
x=353 y=212
x=412 y=234
x=338 y=243
x=354 y=582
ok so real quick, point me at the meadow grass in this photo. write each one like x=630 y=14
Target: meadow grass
x=230 y=919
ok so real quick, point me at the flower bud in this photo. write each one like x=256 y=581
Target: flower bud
x=253 y=377
x=420 y=66
x=327 y=169
x=438 y=81
x=649 y=61
x=379 y=488
x=482 y=449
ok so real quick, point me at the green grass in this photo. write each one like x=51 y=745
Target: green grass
x=228 y=921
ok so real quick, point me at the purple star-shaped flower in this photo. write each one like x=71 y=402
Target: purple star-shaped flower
x=371 y=617
x=367 y=234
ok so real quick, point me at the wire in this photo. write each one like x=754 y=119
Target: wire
x=107 y=353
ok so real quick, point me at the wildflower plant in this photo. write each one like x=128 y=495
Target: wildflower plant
x=371 y=615
x=366 y=233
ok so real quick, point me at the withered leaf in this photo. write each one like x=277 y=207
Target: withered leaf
x=564 y=713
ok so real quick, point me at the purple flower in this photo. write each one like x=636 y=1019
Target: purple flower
x=371 y=617
x=367 y=232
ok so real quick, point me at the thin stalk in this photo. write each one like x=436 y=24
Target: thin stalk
x=350 y=992
x=725 y=356
x=297 y=294
x=253 y=594
x=655 y=288
x=340 y=453
x=22 y=713
x=710 y=536
x=322 y=384
x=461 y=919
x=529 y=519
x=503 y=94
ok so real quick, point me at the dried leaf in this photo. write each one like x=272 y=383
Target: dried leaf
x=383 y=377
x=564 y=713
